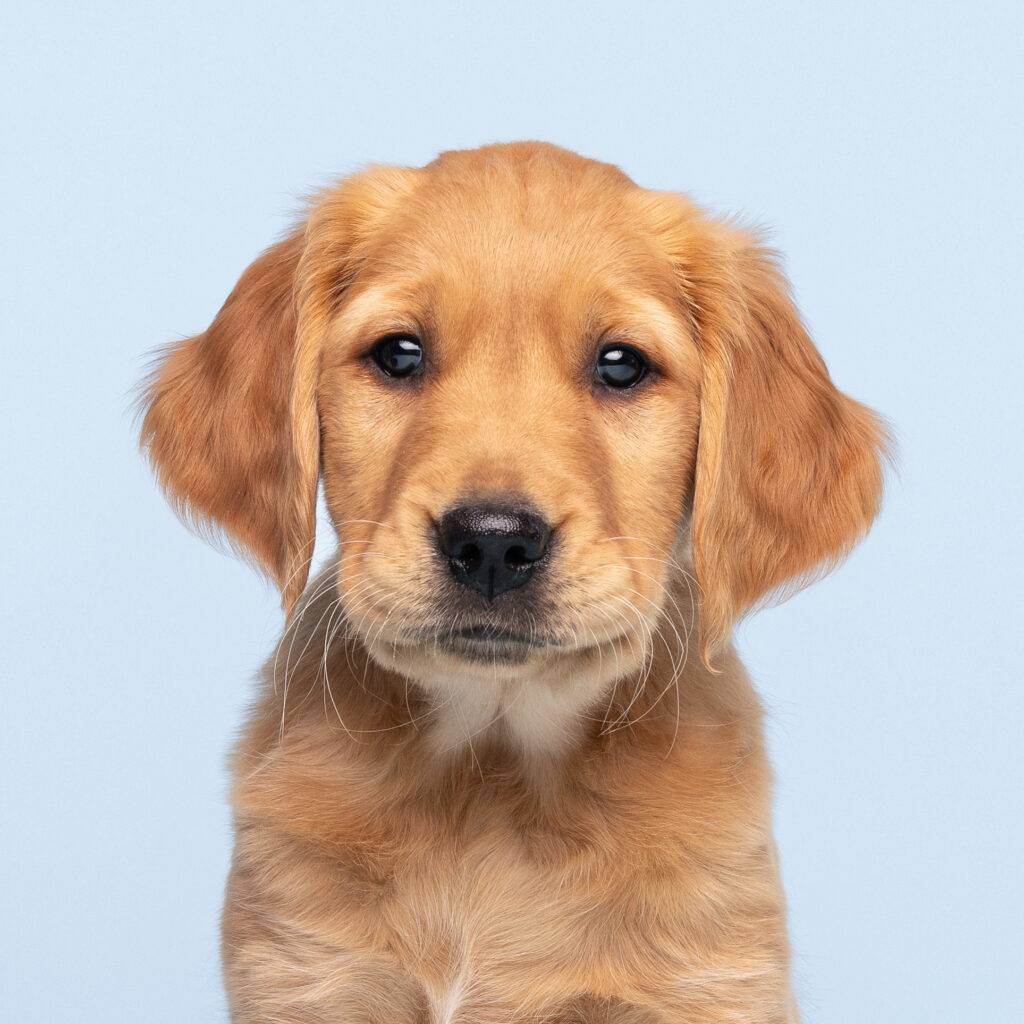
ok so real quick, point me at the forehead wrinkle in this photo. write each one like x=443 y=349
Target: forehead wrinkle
x=378 y=303
x=648 y=315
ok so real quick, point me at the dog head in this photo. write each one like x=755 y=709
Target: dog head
x=540 y=399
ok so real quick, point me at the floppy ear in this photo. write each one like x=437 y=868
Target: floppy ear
x=230 y=425
x=788 y=476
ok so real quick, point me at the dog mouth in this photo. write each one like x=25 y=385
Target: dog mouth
x=486 y=642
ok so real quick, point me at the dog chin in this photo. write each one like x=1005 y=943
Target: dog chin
x=467 y=653
x=491 y=652
x=439 y=660
x=488 y=643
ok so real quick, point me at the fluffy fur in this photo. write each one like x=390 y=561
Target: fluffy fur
x=570 y=829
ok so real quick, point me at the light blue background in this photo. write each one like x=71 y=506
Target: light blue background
x=151 y=153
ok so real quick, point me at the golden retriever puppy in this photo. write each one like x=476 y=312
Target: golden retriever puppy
x=505 y=765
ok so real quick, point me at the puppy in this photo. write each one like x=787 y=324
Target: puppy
x=505 y=765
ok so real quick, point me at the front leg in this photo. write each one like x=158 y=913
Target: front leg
x=274 y=971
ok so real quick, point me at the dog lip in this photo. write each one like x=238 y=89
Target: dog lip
x=489 y=633
x=488 y=643
x=481 y=638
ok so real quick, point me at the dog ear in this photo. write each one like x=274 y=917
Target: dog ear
x=230 y=424
x=788 y=476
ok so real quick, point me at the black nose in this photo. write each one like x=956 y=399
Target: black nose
x=492 y=548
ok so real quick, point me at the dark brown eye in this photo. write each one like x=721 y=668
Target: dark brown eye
x=620 y=366
x=398 y=355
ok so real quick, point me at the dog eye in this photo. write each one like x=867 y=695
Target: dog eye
x=620 y=366
x=398 y=355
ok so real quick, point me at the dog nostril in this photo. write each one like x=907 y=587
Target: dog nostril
x=515 y=557
x=469 y=557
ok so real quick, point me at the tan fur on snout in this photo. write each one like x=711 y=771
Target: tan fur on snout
x=552 y=805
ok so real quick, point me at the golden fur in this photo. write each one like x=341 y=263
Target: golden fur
x=577 y=829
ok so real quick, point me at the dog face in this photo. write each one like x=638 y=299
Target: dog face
x=494 y=503
x=541 y=401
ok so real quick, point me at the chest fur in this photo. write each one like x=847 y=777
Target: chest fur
x=481 y=883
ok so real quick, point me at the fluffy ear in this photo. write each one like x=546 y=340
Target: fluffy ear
x=230 y=424
x=788 y=476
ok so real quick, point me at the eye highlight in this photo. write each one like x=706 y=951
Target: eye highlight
x=398 y=355
x=621 y=366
